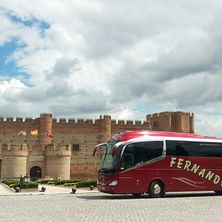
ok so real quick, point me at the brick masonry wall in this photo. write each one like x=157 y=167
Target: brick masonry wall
x=85 y=133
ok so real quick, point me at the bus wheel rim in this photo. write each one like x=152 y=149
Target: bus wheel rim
x=157 y=189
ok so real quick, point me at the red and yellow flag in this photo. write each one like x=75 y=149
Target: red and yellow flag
x=34 y=132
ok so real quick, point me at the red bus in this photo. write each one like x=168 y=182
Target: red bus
x=157 y=162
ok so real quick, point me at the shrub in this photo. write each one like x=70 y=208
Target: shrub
x=31 y=185
x=69 y=184
x=10 y=181
x=51 y=183
x=61 y=182
x=46 y=181
x=86 y=183
x=13 y=185
x=16 y=183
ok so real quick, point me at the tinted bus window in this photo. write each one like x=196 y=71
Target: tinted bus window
x=186 y=148
x=140 y=152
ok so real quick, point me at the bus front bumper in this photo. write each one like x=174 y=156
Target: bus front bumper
x=106 y=188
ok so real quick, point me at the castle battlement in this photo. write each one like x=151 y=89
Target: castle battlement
x=14 y=147
x=79 y=121
x=45 y=115
x=167 y=113
x=72 y=121
x=182 y=113
x=129 y=123
x=163 y=118
x=104 y=117
x=17 y=120
x=58 y=150
x=14 y=150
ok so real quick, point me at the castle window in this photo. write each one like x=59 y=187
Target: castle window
x=75 y=147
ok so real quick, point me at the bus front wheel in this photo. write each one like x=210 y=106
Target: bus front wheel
x=156 y=189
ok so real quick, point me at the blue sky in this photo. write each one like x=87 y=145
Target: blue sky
x=28 y=22
x=81 y=59
x=8 y=68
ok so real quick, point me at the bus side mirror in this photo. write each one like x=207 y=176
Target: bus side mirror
x=97 y=147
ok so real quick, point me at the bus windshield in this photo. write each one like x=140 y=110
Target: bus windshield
x=110 y=160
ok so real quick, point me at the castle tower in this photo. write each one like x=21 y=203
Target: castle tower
x=14 y=160
x=104 y=128
x=183 y=122
x=58 y=159
x=160 y=121
x=172 y=121
x=45 y=126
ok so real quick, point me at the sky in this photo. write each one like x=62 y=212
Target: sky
x=129 y=58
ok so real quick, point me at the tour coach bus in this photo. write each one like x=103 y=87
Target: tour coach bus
x=154 y=162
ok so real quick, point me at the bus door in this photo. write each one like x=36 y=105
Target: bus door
x=137 y=165
x=127 y=172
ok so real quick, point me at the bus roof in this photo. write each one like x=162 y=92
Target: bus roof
x=125 y=136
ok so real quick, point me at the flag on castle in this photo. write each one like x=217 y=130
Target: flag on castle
x=34 y=132
x=22 y=133
x=48 y=134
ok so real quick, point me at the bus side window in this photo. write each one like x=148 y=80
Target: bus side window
x=140 y=152
x=128 y=157
x=146 y=151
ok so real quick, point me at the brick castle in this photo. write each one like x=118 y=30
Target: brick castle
x=49 y=148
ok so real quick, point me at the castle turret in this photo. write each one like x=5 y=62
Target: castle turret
x=14 y=160
x=160 y=121
x=58 y=160
x=172 y=121
x=104 y=128
x=45 y=129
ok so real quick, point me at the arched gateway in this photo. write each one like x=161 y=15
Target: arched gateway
x=36 y=172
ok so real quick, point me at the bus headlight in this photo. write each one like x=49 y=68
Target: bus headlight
x=113 y=183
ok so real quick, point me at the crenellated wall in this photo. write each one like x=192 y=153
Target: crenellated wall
x=14 y=160
x=172 y=121
x=79 y=135
x=58 y=161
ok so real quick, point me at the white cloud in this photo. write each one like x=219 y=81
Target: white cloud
x=107 y=57
x=209 y=124
x=12 y=86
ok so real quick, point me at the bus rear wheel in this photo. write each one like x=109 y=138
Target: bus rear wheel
x=156 y=189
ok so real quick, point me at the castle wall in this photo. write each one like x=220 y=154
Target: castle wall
x=160 y=121
x=45 y=127
x=58 y=161
x=36 y=157
x=14 y=160
x=122 y=125
x=10 y=128
x=82 y=160
x=82 y=135
x=182 y=122
x=172 y=121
